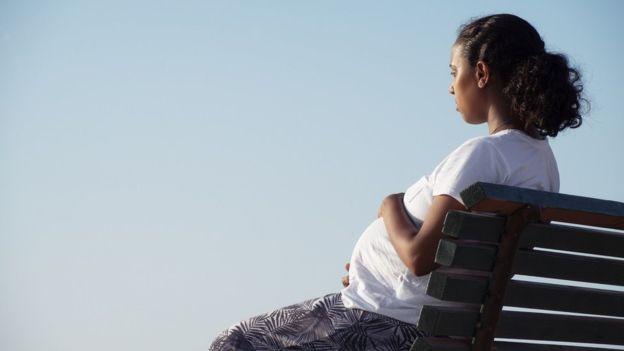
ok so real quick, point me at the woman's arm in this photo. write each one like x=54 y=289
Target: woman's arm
x=416 y=247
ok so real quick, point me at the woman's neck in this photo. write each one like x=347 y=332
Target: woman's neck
x=499 y=125
x=499 y=118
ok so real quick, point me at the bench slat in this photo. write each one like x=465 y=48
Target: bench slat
x=519 y=346
x=454 y=253
x=473 y=226
x=569 y=267
x=564 y=298
x=457 y=287
x=489 y=228
x=443 y=320
x=431 y=343
x=544 y=326
x=505 y=199
x=472 y=289
x=568 y=238
x=439 y=344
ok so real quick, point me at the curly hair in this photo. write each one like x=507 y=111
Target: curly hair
x=540 y=87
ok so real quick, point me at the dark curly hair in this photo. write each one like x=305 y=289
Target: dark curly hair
x=540 y=88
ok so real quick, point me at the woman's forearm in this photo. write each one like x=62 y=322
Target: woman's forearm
x=401 y=230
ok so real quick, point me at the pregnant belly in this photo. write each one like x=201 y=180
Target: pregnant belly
x=375 y=255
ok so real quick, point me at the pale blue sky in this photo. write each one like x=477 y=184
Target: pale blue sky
x=169 y=168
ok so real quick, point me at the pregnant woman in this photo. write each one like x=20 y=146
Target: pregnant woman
x=502 y=76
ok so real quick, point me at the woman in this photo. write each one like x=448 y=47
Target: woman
x=502 y=76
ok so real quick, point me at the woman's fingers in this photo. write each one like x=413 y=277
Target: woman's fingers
x=345 y=281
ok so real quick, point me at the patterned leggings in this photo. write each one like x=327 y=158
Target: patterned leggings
x=323 y=323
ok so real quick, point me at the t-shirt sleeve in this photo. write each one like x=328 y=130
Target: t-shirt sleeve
x=477 y=160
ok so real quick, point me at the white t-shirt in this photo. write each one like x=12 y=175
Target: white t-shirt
x=379 y=281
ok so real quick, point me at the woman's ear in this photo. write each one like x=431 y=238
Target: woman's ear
x=482 y=72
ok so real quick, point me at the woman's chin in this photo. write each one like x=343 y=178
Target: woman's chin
x=470 y=120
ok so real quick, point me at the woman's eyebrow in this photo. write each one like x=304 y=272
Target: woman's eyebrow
x=453 y=67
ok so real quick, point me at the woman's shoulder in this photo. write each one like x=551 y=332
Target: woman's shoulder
x=515 y=135
x=507 y=138
x=476 y=144
x=475 y=153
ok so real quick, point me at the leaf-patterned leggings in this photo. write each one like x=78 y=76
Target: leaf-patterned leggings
x=323 y=323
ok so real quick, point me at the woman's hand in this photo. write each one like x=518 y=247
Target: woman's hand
x=398 y=197
x=345 y=279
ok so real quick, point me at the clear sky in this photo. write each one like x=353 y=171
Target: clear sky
x=169 y=168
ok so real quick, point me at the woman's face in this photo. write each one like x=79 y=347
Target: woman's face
x=469 y=97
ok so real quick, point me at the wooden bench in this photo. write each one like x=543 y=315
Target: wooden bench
x=482 y=249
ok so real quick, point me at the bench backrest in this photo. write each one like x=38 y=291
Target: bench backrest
x=507 y=232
